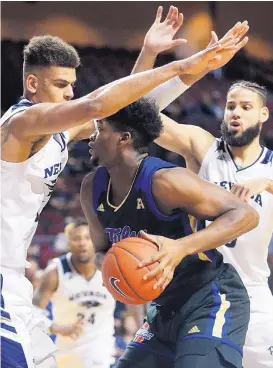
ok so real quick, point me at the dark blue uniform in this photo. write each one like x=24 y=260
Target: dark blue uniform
x=203 y=313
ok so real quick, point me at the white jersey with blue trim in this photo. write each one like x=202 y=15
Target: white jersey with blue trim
x=26 y=188
x=78 y=298
x=248 y=254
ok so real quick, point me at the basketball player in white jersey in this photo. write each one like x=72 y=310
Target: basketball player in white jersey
x=241 y=165
x=34 y=136
x=74 y=286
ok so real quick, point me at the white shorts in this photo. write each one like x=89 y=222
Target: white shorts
x=258 y=349
x=97 y=353
x=23 y=343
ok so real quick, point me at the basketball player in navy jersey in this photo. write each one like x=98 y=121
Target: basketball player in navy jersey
x=201 y=317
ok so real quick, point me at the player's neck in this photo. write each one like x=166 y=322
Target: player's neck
x=246 y=155
x=86 y=270
x=123 y=174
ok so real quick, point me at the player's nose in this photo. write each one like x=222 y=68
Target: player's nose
x=68 y=94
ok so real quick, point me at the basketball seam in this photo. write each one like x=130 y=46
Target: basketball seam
x=137 y=259
x=125 y=277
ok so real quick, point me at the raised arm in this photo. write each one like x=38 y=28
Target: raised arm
x=48 y=118
x=159 y=38
x=97 y=233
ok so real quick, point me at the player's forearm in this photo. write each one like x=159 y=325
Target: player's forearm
x=190 y=79
x=145 y=61
x=169 y=91
x=224 y=229
x=132 y=88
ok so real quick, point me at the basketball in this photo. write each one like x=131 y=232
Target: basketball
x=122 y=276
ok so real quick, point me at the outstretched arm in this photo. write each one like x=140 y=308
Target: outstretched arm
x=48 y=118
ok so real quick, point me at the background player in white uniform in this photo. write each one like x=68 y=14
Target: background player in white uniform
x=34 y=152
x=74 y=285
x=238 y=163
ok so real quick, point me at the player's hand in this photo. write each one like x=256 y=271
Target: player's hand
x=74 y=331
x=249 y=188
x=237 y=33
x=200 y=61
x=169 y=256
x=160 y=36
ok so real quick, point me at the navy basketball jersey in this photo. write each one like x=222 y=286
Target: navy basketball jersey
x=139 y=212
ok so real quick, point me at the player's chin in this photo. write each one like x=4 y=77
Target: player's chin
x=94 y=161
x=84 y=259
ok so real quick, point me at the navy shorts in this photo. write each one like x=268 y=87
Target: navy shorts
x=207 y=331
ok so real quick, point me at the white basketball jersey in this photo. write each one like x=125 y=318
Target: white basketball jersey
x=248 y=253
x=77 y=298
x=25 y=190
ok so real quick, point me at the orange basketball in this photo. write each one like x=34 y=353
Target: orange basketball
x=122 y=276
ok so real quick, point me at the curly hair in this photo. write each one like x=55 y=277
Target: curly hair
x=46 y=51
x=141 y=119
x=252 y=86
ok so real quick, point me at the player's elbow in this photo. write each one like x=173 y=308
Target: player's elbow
x=251 y=217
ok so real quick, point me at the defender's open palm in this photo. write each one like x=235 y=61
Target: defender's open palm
x=237 y=34
x=160 y=36
x=249 y=188
x=169 y=256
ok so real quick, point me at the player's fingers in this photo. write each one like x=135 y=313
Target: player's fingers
x=241 y=44
x=179 y=21
x=154 y=258
x=214 y=39
x=248 y=196
x=175 y=14
x=159 y=14
x=152 y=238
x=165 y=278
x=233 y=30
x=243 y=31
x=168 y=280
x=179 y=41
x=243 y=193
x=169 y=15
x=237 y=189
x=157 y=270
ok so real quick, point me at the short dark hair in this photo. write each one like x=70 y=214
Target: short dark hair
x=255 y=87
x=46 y=51
x=141 y=119
x=79 y=221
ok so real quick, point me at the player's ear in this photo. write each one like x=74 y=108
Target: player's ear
x=264 y=114
x=125 y=137
x=31 y=83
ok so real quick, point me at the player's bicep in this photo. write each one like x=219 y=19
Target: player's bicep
x=50 y=118
x=206 y=200
x=186 y=140
x=97 y=233
x=180 y=188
